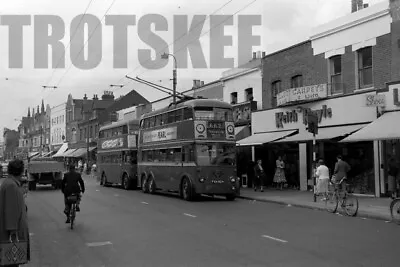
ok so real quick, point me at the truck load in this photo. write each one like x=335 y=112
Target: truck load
x=45 y=171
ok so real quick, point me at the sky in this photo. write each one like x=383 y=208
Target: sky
x=284 y=23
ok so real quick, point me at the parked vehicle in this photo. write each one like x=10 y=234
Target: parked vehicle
x=44 y=171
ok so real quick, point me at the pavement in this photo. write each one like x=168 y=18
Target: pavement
x=369 y=207
x=129 y=228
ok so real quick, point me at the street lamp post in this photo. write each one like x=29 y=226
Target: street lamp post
x=174 y=75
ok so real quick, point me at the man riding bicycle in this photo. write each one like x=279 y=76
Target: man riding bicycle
x=340 y=173
x=72 y=183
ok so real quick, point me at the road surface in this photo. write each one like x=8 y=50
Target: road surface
x=128 y=228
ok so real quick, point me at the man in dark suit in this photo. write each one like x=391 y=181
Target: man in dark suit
x=341 y=170
x=72 y=183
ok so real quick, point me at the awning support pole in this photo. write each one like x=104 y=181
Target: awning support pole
x=314 y=166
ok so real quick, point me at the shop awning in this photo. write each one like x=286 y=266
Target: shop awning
x=81 y=152
x=242 y=132
x=33 y=154
x=68 y=153
x=386 y=127
x=61 y=151
x=323 y=133
x=47 y=154
x=263 y=138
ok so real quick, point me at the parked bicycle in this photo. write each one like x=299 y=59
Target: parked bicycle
x=348 y=202
x=72 y=199
x=395 y=210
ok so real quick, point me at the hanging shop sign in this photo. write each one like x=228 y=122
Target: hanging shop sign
x=242 y=112
x=282 y=118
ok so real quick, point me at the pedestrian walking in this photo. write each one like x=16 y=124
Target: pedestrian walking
x=14 y=232
x=393 y=171
x=322 y=175
x=259 y=176
x=279 y=177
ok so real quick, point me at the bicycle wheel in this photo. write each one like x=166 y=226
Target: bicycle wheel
x=331 y=202
x=350 y=205
x=395 y=210
x=72 y=216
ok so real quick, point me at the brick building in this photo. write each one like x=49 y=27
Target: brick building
x=330 y=75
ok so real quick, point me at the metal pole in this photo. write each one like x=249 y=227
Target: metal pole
x=174 y=78
x=314 y=164
x=87 y=147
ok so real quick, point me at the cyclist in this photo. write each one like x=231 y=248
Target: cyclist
x=340 y=172
x=72 y=183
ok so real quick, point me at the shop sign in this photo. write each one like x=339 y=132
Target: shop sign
x=242 y=112
x=160 y=135
x=304 y=93
x=114 y=143
x=282 y=118
x=373 y=100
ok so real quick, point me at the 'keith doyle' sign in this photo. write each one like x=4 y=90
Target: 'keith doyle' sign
x=293 y=116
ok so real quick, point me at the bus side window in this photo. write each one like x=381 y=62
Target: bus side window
x=177 y=155
x=171 y=117
x=133 y=157
x=187 y=114
x=188 y=153
x=125 y=129
x=158 y=120
x=164 y=118
x=178 y=115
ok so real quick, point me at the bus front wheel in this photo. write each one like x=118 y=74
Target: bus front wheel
x=187 y=189
x=151 y=185
x=126 y=182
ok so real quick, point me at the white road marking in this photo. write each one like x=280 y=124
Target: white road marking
x=98 y=244
x=31 y=234
x=97 y=190
x=145 y=203
x=289 y=205
x=387 y=221
x=190 y=215
x=364 y=219
x=116 y=195
x=274 y=238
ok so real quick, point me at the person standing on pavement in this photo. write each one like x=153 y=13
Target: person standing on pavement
x=393 y=171
x=13 y=213
x=259 y=176
x=322 y=175
x=279 y=177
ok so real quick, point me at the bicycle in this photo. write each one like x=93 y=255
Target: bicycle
x=72 y=199
x=348 y=202
x=395 y=210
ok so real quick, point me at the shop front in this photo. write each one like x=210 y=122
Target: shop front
x=385 y=130
x=283 y=132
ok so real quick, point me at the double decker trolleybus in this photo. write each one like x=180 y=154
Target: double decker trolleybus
x=189 y=148
x=117 y=154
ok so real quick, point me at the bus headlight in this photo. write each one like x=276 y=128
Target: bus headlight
x=202 y=180
x=233 y=180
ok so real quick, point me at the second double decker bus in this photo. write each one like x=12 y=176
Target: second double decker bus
x=117 y=153
x=189 y=148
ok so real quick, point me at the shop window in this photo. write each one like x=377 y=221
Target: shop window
x=364 y=59
x=296 y=81
x=249 y=94
x=336 y=74
x=234 y=98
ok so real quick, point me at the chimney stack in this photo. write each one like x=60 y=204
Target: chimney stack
x=360 y=4
x=202 y=83
x=263 y=54
x=85 y=97
x=258 y=54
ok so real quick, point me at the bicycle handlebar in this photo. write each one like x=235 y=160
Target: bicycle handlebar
x=341 y=181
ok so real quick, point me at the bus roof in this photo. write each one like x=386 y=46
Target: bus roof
x=191 y=103
x=118 y=124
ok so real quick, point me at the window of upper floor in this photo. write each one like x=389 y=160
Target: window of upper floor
x=249 y=94
x=234 y=98
x=296 y=81
x=364 y=64
x=335 y=69
x=276 y=88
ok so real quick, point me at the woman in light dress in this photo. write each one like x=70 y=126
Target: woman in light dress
x=279 y=177
x=322 y=175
